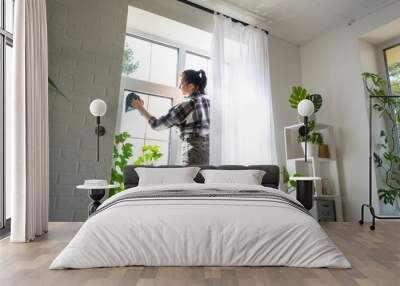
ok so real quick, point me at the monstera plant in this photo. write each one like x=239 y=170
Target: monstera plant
x=299 y=93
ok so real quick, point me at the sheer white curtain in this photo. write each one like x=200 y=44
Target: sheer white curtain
x=27 y=124
x=242 y=121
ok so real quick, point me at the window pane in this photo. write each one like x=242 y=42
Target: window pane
x=9 y=11
x=164 y=64
x=132 y=121
x=136 y=63
x=393 y=67
x=157 y=107
x=149 y=61
x=196 y=62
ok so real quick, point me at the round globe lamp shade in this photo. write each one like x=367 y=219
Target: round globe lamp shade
x=305 y=108
x=98 y=107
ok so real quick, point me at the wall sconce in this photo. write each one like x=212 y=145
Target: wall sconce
x=98 y=108
x=305 y=108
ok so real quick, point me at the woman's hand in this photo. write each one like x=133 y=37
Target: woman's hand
x=138 y=104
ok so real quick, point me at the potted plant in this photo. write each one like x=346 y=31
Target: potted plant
x=314 y=139
x=122 y=153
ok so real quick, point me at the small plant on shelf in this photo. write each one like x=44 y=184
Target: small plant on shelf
x=122 y=153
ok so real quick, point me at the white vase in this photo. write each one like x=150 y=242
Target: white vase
x=312 y=149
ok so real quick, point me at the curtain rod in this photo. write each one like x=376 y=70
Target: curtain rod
x=210 y=11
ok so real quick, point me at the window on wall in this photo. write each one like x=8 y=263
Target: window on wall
x=156 y=50
x=6 y=70
x=150 y=61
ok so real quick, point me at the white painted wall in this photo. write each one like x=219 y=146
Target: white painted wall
x=284 y=60
x=331 y=65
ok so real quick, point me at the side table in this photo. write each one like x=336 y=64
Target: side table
x=304 y=190
x=96 y=193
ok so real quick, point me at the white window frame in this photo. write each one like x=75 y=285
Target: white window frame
x=147 y=87
x=6 y=39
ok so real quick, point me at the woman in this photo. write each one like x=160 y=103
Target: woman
x=191 y=117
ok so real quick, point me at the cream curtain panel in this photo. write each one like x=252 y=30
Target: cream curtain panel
x=27 y=124
x=242 y=119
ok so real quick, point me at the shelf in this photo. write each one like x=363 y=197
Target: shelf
x=326 y=196
x=309 y=159
x=319 y=126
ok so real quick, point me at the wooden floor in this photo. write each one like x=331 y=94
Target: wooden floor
x=375 y=257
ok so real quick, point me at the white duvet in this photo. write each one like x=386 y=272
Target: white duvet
x=200 y=231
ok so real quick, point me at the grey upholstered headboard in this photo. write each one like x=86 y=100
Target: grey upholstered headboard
x=270 y=179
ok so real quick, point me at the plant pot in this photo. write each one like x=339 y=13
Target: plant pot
x=312 y=149
x=323 y=151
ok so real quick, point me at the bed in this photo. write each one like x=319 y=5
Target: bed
x=198 y=224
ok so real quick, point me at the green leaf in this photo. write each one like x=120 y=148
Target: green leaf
x=298 y=94
x=317 y=100
x=53 y=85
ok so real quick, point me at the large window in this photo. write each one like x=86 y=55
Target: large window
x=6 y=69
x=156 y=50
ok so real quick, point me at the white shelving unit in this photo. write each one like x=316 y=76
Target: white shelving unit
x=326 y=168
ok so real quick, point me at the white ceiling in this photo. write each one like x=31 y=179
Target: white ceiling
x=297 y=21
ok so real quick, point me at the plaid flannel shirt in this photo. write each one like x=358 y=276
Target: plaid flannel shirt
x=191 y=117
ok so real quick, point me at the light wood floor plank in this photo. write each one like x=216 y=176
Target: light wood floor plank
x=375 y=257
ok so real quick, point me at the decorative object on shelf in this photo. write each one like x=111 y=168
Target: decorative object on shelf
x=323 y=151
x=122 y=153
x=96 y=189
x=314 y=139
x=304 y=190
x=98 y=108
x=326 y=187
x=307 y=104
x=389 y=159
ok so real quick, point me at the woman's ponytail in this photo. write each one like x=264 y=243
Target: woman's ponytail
x=203 y=81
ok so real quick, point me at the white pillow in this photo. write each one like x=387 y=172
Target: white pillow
x=248 y=177
x=166 y=176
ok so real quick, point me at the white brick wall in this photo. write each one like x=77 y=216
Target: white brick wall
x=86 y=40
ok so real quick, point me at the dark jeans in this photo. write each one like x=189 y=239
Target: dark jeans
x=195 y=150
